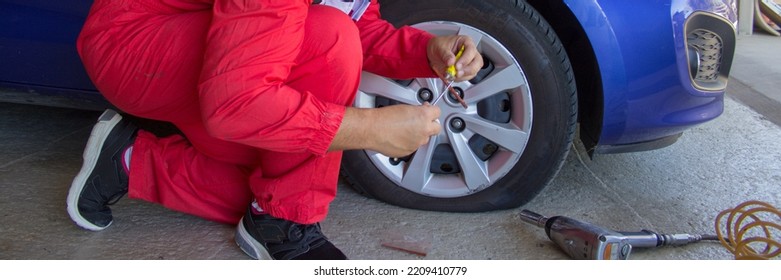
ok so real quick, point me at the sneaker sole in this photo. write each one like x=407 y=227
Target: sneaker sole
x=249 y=245
x=106 y=122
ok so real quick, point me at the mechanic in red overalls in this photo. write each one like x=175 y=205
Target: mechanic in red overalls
x=261 y=91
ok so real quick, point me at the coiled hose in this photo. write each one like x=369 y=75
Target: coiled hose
x=747 y=228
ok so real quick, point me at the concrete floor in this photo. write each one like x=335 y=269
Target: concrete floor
x=679 y=189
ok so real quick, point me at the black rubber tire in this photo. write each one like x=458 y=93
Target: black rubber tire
x=536 y=48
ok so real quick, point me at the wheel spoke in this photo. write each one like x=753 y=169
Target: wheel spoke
x=506 y=135
x=435 y=84
x=473 y=169
x=476 y=36
x=505 y=79
x=418 y=171
x=377 y=85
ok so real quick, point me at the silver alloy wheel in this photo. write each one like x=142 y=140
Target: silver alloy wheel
x=475 y=174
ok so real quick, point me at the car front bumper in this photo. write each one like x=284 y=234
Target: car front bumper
x=664 y=67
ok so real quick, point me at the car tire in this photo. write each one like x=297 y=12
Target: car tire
x=543 y=108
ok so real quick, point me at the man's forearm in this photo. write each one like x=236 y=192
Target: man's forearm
x=394 y=131
x=355 y=131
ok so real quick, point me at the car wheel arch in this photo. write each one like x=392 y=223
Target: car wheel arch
x=596 y=60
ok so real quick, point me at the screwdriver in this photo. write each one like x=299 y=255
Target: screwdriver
x=450 y=77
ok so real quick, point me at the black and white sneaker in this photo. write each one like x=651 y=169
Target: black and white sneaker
x=102 y=180
x=262 y=236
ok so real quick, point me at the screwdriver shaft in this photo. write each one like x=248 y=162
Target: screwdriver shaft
x=447 y=87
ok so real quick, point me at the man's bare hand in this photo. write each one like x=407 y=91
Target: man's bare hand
x=404 y=128
x=442 y=50
x=394 y=131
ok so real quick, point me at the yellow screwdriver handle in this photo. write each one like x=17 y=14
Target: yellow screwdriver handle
x=451 y=70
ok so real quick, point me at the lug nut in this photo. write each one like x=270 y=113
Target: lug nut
x=460 y=94
x=425 y=95
x=394 y=161
x=457 y=124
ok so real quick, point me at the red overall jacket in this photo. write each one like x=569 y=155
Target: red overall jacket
x=259 y=89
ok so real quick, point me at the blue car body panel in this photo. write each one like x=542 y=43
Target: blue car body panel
x=639 y=47
x=38 y=43
x=641 y=54
x=38 y=59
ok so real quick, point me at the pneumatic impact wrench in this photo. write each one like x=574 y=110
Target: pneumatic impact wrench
x=582 y=240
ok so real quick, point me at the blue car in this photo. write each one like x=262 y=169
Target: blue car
x=621 y=75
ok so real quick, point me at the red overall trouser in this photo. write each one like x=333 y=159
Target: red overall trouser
x=259 y=90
